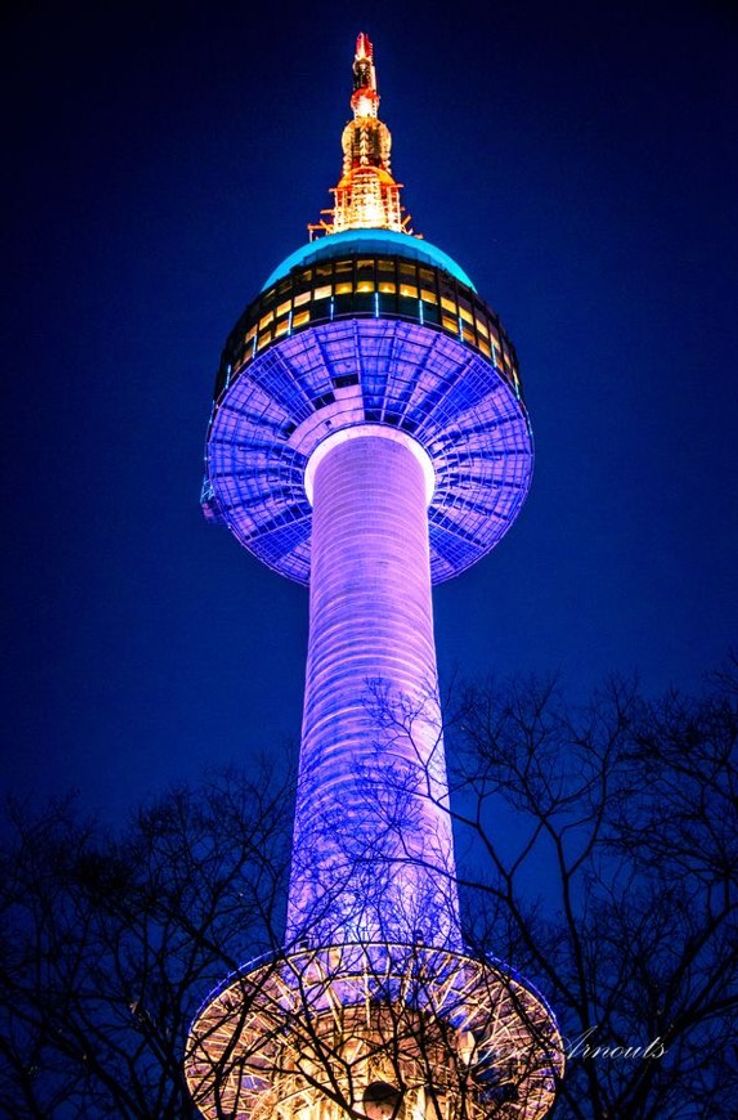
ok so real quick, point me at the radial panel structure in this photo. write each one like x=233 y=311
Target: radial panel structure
x=368 y=339
x=325 y=1032
x=368 y=438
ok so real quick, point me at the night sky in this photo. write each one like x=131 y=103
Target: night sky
x=580 y=164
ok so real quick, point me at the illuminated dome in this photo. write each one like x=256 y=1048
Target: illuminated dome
x=373 y=242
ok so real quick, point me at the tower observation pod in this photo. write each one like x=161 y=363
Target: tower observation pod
x=368 y=438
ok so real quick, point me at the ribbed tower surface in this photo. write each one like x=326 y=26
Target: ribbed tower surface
x=368 y=437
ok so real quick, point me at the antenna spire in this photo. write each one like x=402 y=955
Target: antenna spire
x=366 y=196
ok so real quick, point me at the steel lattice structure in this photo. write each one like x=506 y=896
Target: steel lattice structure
x=368 y=437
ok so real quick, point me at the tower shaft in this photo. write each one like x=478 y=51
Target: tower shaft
x=373 y=850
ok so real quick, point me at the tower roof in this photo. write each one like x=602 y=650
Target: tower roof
x=370 y=241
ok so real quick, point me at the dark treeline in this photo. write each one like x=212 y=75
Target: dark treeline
x=597 y=852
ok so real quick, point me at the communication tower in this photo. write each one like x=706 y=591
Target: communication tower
x=368 y=438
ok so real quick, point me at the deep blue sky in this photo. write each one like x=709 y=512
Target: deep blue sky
x=580 y=163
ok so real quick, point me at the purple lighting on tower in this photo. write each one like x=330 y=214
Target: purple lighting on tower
x=371 y=619
x=368 y=439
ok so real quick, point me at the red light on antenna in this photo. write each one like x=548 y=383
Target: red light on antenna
x=364 y=48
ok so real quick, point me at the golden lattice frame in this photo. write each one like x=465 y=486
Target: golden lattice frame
x=303 y=1036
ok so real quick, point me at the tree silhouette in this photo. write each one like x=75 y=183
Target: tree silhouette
x=109 y=944
x=601 y=858
x=596 y=851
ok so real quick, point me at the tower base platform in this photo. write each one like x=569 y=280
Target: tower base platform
x=386 y=1032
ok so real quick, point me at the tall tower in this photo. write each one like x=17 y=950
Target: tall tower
x=368 y=438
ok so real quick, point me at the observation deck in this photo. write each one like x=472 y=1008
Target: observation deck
x=357 y=335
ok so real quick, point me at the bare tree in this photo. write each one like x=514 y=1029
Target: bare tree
x=109 y=944
x=596 y=852
x=599 y=855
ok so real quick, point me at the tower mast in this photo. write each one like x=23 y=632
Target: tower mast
x=368 y=438
x=366 y=196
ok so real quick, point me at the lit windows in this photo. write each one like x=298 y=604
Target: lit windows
x=382 y=287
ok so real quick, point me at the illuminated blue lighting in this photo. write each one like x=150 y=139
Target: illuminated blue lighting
x=376 y=305
x=420 y=312
x=369 y=241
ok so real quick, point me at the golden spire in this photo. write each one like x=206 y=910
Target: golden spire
x=366 y=197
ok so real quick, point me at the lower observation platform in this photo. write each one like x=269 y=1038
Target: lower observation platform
x=375 y=1030
x=458 y=405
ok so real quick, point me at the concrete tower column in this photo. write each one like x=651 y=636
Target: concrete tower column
x=373 y=850
x=368 y=437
